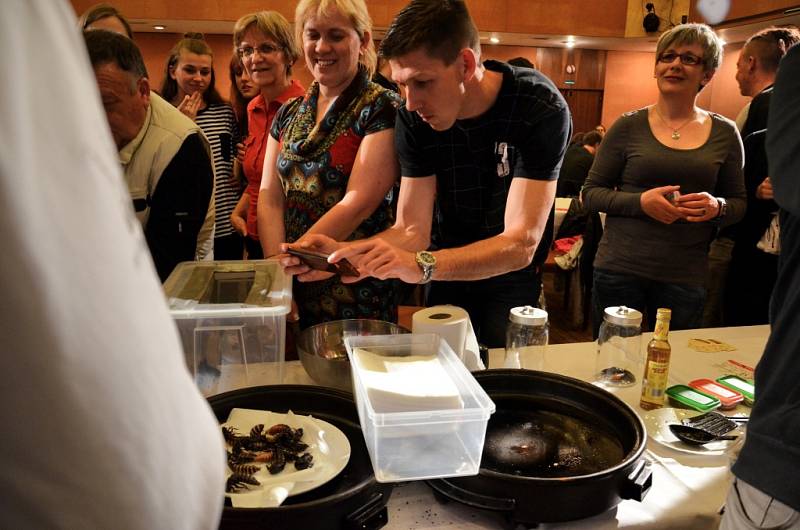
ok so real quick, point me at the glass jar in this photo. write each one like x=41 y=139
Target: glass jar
x=619 y=347
x=526 y=338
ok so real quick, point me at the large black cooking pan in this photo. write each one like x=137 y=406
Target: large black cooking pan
x=352 y=500
x=557 y=449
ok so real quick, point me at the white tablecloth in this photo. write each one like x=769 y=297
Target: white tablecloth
x=688 y=490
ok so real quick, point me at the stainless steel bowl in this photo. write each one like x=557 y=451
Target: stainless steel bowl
x=323 y=354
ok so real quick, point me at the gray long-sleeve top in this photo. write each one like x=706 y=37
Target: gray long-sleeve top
x=631 y=161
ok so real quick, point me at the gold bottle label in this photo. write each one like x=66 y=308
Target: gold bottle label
x=655 y=382
x=662 y=329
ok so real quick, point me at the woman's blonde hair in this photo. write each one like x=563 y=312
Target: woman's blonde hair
x=693 y=34
x=274 y=26
x=355 y=10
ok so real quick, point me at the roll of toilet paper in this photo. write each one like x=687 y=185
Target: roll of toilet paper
x=448 y=321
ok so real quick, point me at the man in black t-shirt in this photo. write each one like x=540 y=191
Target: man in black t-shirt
x=481 y=142
x=764 y=493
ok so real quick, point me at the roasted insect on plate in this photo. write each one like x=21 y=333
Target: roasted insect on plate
x=274 y=447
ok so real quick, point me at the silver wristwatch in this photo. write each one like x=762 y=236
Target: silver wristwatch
x=426 y=262
x=723 y=208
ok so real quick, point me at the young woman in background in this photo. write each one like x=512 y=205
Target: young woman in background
x=189 y=85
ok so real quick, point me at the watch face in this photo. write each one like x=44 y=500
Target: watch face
x=426 y=258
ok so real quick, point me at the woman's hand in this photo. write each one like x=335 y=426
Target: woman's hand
x=656 y=205
x=764 y=190
x=295 y=266
x=191 y=105
x=240 y=150
x=698 y=207
x=239 y=224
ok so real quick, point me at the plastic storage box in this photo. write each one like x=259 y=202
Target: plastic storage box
x=422 y=413
x=231 y=316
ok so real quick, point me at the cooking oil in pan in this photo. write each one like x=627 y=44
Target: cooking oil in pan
x=547 y=444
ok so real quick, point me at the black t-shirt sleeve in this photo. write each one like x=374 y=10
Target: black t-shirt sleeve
x=179 y=205
x=413 y=140
x=546 y=132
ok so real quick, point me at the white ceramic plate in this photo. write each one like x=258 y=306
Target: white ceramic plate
x=327 y=444
x=657 y=422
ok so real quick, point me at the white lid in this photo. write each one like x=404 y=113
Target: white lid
x=528 y=316
x=623 y=316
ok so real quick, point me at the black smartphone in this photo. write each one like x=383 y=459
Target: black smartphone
x=319 y=261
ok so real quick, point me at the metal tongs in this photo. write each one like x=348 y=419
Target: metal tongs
x=706 y=428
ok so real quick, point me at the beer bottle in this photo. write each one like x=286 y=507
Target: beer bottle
x=656 y=367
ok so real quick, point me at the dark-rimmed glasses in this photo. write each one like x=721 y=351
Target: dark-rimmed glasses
x=687 y=59
x=264 y=48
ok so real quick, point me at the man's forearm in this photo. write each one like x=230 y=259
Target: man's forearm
x=483 y=259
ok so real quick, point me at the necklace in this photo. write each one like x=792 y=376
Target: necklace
x=676 y=135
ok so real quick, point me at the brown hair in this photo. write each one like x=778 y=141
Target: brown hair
x=274 y=26
x=442 y=28
x=771 y=44
x=100 y=11
x=355 y=10
x=238 y=100
x=194 y=43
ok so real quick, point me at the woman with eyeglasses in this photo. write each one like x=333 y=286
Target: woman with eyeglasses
x=667 y=176
x=331 y=160
x=189 y=84
x=268 y=50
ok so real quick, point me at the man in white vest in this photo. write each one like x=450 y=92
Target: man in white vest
x=165 y=156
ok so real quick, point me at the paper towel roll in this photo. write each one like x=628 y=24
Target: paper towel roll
x=449 y=321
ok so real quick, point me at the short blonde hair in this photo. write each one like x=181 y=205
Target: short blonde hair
x=355 y=10
x=693 y=34
x=274 y=26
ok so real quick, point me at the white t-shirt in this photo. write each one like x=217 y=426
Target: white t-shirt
x=102 y=424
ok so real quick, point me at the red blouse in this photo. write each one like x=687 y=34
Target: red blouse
x=259 y=117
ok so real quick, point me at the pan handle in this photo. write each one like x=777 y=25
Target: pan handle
x=469 y=498
x=371 y=516
x=638 y=482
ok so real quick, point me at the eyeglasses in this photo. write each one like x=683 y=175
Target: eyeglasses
x=264 y=49
x=687 y=59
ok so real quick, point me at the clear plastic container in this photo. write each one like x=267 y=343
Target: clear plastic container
x=619 y=347
x=526 y=338
x=231 y=316
x=422 y=413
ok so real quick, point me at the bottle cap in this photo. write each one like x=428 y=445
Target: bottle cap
x=528 y=316
x=623 y=316
x=663 y=313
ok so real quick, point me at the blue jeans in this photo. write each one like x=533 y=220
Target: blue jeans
x=615 y=289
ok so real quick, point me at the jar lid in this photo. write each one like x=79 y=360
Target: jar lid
x=528 y=316
x=623 y=316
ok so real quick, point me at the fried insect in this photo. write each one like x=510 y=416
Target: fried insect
x=275 y=446
x=238 y=482
x=304 y=461
x=230 y=434
x=256 y=431
x=278 y=462
x=244 y=469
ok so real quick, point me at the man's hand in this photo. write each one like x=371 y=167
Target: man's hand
x=698 y=207
x=191 y=104
x=656 y=205
x=764 y=190
x=379 y=259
